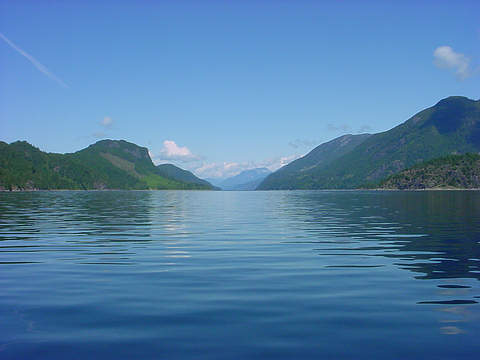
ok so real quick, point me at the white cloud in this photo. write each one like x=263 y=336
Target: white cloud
x=106 y=121
x=42 y=68
x=181 y=156
x=446 y=57
x=219 y=170
x=171 y=151
x=284 y=160
x=228 y=169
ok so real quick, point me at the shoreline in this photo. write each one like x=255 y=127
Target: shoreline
x=429 y=189
x=98 y=190
x=213 y=190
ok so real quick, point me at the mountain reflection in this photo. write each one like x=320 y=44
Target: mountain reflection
x=435 y=234
x=91 y=227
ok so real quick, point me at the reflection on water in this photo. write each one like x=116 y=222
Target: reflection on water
x=239 y=274
x=435 y=234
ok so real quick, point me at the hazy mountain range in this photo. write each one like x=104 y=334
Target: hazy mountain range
x=246 y=180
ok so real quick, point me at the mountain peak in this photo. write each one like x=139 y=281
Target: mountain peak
x=454 y=113
x=119 y=146
x=455 y=100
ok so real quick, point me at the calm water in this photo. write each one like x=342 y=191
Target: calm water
x=239 y=275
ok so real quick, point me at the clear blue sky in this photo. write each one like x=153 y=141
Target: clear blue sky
x=220 y=86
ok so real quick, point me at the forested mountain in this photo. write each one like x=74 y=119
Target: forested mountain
x=450 y=126
x=453 y=171
x=107 y=164
x=173 y=172
x=298 y=174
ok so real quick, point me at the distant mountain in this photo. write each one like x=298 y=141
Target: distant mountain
x=450 y=126
x=248 y=186
x=298 y=174
x=454 y=171
x=246 y=180
x=215 y=181
x=107 y=164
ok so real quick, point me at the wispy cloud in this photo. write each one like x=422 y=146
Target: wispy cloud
x=364 y=129
x=338 y=127
x=35 y=62
x=276 y=163
x=105 y=128
x=446 y=57
x=99 y=135
x=106 y=121
x=297 y=143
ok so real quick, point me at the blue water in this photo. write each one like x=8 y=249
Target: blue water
x=240 y=275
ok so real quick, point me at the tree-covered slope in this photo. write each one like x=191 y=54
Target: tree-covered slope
x=453 y=171
x=450 y=126
x=23 y=166
x=173 y=172
x=298 y=174
x=107 y=164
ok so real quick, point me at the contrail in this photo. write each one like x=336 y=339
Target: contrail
x=34 y=61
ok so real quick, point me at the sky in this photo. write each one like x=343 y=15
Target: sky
x=217 y=87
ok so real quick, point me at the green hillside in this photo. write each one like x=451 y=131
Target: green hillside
x=173 y=172
x=451 y=126
x=453 y=171
x=107 y=164
x=299 y=174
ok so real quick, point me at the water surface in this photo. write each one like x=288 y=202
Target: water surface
x=237 y=275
